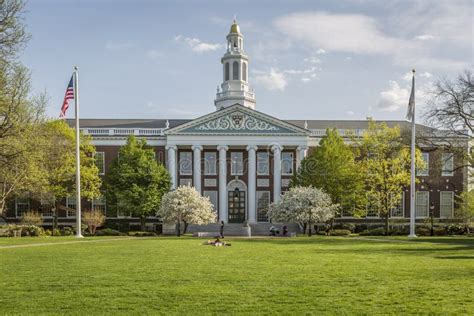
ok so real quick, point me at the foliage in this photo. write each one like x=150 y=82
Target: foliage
x=13 y=35
x=141 y=234
x=31 y=218
x=32 y=231
x=386 y=161
x=340 y=232
x=332 y=167
x=455 y=229
x=93 y=220
x=465 y=210
x=303 y=205
x=109 y=232
x=374 y=232
x=185 y=205
x=67 y=231
x=136 y=182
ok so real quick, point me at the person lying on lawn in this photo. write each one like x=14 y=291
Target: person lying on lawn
x=217 y=243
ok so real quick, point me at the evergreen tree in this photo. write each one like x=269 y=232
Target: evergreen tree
x=136 y=182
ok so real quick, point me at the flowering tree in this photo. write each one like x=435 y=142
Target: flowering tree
x=93 y=219
x=305 y=206
x=185 y=205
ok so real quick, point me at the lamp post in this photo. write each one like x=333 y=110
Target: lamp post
x=432 y=217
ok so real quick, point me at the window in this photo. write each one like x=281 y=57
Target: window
x=287 y=163
x=424 y=171
x=212 y=195
x=227 y=71
x=186 y=163
x=448 y=164
x=47 y=204
x=22 y=205
x=399 y=209
x=263 y=202
x=71 y=205
x=210 y=161
x=422 y=204
x=99 y=204
x=235 y=71
x=244 y=71
x=372 y=210
x=446 y=203
x=237 y=163
x=263 y=164
x=100 y=161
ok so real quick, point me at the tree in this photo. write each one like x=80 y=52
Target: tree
x=59 y=164
x=386 y=160
x=136 y=182
x=185 y=205
x=93 y=220
x=32 y=218
x=305 y=206
x=332 y=167
x=21 y=115
x=465 y=210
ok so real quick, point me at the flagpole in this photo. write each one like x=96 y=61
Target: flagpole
x=413 y=170
x=78 y=156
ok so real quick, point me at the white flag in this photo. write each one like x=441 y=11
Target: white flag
x=411 y=102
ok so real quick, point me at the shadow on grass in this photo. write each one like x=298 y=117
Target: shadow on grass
x=456 y=257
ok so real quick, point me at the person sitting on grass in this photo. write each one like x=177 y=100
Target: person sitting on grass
x=274 y=231
x=217 y=243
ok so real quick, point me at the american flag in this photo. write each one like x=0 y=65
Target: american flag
x=69 y=96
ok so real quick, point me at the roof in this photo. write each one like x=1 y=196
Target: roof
x=128 y=123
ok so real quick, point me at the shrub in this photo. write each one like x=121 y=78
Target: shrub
x=48 y=232
x=56 y=232
x=109 y=232
x=423 y=231
x=14 y=230
x=439 y=231
x=455 y=229
x=340 y=232
x=32 y=218
x=32 y=230
x=67 y=231
x=93 y=220
x=141 y=234
x=373 y=232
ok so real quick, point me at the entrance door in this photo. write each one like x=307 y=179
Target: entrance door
x=236 y=206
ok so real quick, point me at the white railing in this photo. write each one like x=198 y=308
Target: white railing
x=101 y=131
x=315 y=132
x=235 y=93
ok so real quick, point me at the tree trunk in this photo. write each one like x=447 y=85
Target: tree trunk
x=143 y=223
x=55 y=217
x=185 y=229
x=310 y=231
x=386 y=225
x=178 y=229
x=304 y=228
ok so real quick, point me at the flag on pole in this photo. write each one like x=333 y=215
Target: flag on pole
x=411 y=102
x=68 y=96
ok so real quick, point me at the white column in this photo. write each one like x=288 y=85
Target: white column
x=172 y=149
x=300 y=155
x=197 y=167
x=222 y=183
x=276 y=149
x=252 y=184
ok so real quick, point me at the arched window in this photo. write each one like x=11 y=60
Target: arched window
x=235 y=71
x=227 y=71
x=244 y=71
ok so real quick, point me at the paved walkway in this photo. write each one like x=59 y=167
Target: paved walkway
x=68 y=242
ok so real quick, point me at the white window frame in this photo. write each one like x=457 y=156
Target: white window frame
x=283 y=163
x=257 y=197
x=235 y=164
x=265 y=161
x=426 y=170
x=190 y=161
x=101 y=201
x=67 y=205
x=43 y=203
x=17 y=203
x=207 y=169
x=427 y=204
x=445 y=157
x=441 y=204
x=402 y=206
x=100 y=153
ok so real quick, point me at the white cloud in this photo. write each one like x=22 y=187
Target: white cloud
x=198 y=45
x=305 y=80
x=352 y=33
x=313 y=60
x=320 y=51
x=426 y=75
x=273 y=80
x=118 y=46
x=154 y=54
x=425 y=37
x=393 y=98
x=350 y=113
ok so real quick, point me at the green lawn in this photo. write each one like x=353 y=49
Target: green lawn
x=264 y=276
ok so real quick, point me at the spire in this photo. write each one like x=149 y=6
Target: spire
x=235 y=87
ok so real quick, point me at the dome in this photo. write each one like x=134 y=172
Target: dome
x=234 y=28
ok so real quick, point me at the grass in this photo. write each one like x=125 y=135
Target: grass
x=319 y=275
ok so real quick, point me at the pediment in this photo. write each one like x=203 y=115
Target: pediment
x=237 y=120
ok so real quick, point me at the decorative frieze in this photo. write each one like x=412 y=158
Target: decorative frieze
x=263 y=183
x=210 y=182
x=285 y=183
x=237 y=121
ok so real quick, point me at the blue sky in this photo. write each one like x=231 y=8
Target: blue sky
x=308 y=59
